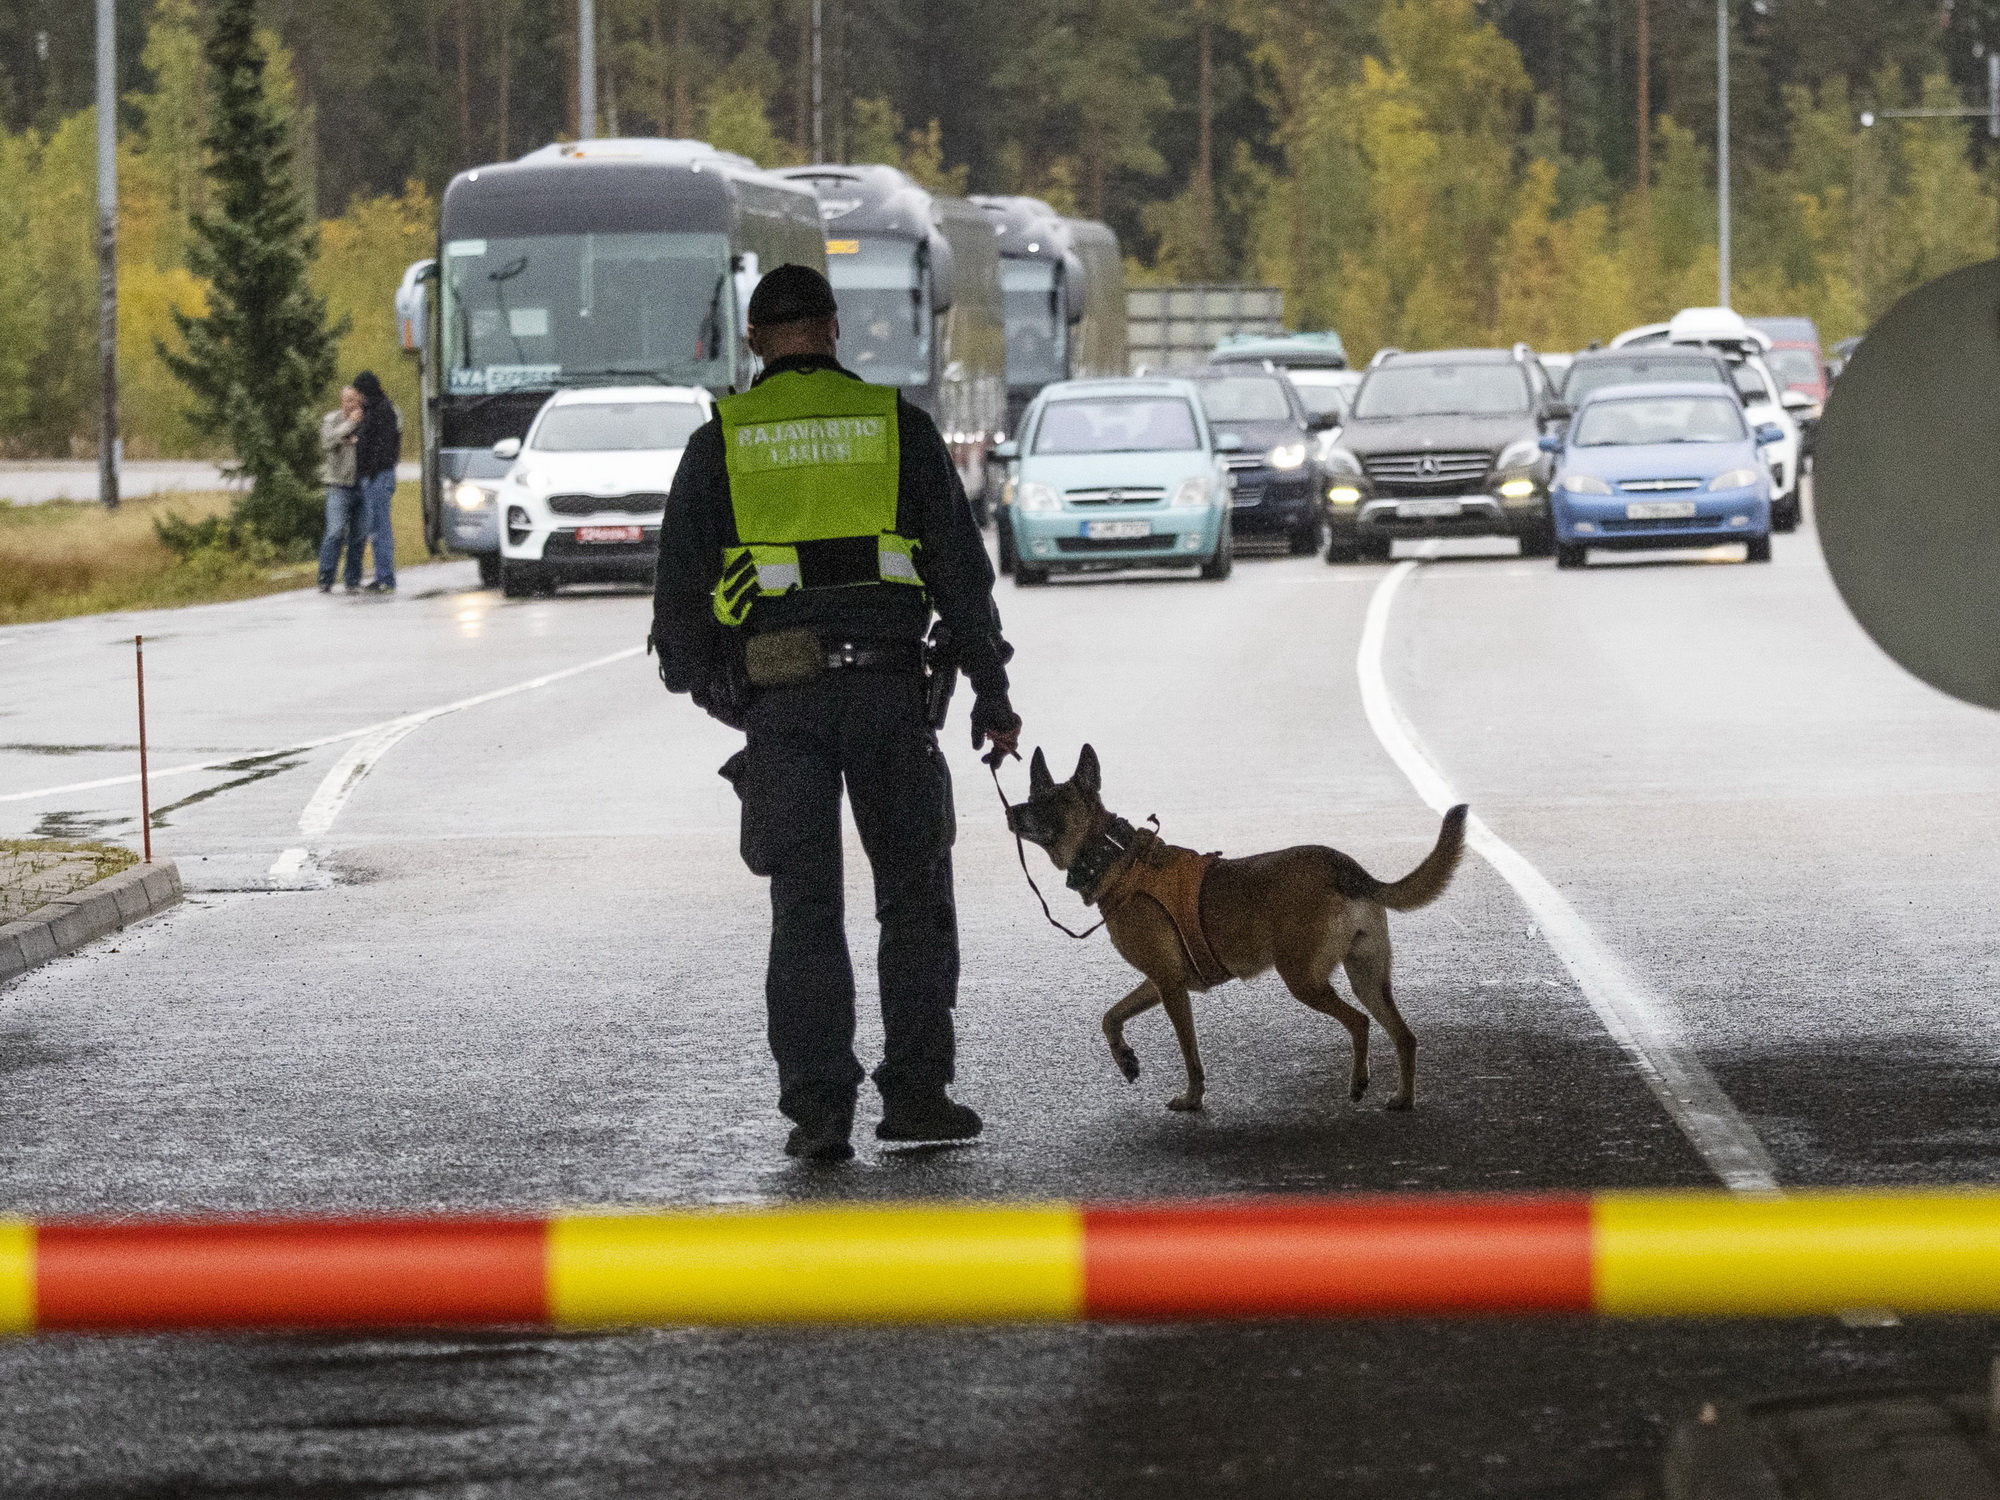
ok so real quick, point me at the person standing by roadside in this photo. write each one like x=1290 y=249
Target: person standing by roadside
x=346 y=510
x=378 y=444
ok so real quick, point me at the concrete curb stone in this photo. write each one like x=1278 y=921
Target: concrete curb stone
x=65 y=925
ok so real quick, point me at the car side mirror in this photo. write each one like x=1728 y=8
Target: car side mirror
x=1228 y=442
x=1549 y=442
x=1770 y=432
x=507 y=448
x=1008 y=451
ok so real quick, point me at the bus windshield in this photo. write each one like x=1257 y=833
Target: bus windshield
x=885 y=331
x=1035 y=328
x=538 y=311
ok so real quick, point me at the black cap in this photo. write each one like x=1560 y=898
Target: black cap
x=789 y=294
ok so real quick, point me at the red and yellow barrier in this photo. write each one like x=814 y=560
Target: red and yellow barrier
x=1618 y=1254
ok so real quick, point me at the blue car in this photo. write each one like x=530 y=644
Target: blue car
x=1668 y=465
x=1123 y=473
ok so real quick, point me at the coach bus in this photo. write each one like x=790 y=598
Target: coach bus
x=1063 y=284
x=608 y=262
x=917 y=277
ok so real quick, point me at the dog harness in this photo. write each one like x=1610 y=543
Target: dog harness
x=1173 y=878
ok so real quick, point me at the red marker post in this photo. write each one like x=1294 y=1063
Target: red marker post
x=145 y=787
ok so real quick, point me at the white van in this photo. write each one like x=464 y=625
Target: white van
x=582 y=503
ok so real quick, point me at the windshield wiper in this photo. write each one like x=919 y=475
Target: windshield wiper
x=614 y=374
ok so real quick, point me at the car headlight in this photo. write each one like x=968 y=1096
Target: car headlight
x=469 y=496
x=1343 y=494
x=1286 y=456
x=1342 y=461
x=1735 y=479
x=1585 y=484
x=1037 y=497
x=1194 y=493
x=1519 y=455
x=1517 y=489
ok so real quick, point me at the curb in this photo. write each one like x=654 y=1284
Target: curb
x=95 y=911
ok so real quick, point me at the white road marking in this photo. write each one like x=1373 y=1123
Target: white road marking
x=1639 y=1020
x=378 y=739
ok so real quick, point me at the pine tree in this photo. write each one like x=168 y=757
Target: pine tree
x=264 y=351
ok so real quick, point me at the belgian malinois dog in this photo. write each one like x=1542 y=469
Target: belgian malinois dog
x=1303 y=911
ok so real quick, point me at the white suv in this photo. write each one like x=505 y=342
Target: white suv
x=582 y=503
x=1765 y=398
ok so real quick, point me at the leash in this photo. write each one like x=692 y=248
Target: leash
x=993 y=760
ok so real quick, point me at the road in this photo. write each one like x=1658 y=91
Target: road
x=518 y=964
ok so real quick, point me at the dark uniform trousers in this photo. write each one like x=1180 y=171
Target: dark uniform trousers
x=866 y=729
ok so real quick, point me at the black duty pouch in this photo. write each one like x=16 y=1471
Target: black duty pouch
x=783 y=658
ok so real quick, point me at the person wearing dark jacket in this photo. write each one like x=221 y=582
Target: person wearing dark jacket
x=812 y=527
x=378 y=445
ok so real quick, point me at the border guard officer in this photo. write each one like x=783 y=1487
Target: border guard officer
x=812 y=527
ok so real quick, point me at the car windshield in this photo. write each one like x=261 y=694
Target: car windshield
x=1750 y=383
x=1323 y=398
x=1125 y=424
x=1587 y=377
x=1440 y=390
x=1245 y=398
x=1794 y=366
x=1660 y=419
x=884 y=327
x=617 y=426
x=531 y=311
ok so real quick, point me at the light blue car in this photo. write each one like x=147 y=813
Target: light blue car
x=1666 y=465
x=1115 y=474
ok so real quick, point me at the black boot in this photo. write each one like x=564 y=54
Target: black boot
x=927 y=1117
x=824 y=1139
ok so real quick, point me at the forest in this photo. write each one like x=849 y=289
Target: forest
x=1411 y=172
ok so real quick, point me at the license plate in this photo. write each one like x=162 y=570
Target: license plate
x=1117 y=531
x=1424 y=510
x=1658 y=510
x=610 y=533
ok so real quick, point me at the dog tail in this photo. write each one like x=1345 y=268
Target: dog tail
x=1427 y=881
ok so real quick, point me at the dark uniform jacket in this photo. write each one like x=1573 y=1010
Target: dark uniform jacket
x=931 y=509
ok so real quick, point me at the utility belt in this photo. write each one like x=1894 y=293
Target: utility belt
x=787 y=658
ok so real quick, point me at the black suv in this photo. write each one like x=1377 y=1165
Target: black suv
x=1444 y=444
x=1277 y=486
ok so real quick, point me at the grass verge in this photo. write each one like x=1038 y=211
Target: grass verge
x=34 y=872
x=73 y=557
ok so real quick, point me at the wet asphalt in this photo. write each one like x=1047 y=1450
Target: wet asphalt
x=523 y=970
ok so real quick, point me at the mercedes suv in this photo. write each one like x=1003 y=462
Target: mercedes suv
x=1446 y=443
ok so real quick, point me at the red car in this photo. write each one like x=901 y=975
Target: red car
x=1794 y=358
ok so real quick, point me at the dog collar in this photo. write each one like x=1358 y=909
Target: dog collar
x=1094 y=861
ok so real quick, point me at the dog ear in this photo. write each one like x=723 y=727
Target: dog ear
x=1039 y=779
x=1087 y=774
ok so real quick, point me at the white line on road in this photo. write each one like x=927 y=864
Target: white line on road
x=1640 y=1021
x=376 y=741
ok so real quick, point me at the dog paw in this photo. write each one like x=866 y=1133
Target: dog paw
x=1128 y=1063
x=1184 y=1104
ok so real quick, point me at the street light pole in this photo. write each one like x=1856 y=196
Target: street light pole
x=586 y=70
x=1722 y=151
x=819 y=90
x=107 y=254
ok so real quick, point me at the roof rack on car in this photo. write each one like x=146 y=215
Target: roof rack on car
x=1522 y=351
x=1380 y=355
